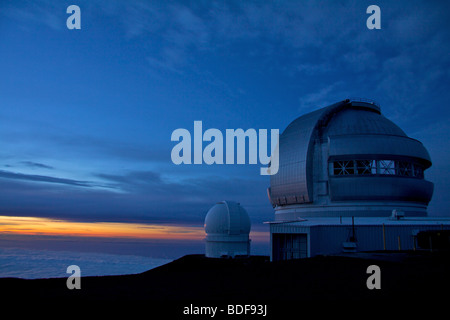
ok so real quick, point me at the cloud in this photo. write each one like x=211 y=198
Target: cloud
x=41 y=178
x=51 y=264
x=326 y=50
x=75 y=144
x=200 y=188
x=32 y=13
x=144 y=196
x=135 y=181
x=178 y=30
x=322 y=97
x=33 y=164
x=398 y=65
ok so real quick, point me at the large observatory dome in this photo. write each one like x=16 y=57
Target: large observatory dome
x=227 y=227
x=347 y=159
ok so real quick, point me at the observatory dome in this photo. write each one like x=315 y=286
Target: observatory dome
x=227 y=227
x=347 y=159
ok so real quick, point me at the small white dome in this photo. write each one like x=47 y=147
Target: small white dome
x=227 y=227
x=227 y=217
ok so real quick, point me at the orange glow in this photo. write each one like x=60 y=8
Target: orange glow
x=53 y=227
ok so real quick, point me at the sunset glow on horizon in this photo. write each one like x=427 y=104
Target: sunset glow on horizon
x=57 y=227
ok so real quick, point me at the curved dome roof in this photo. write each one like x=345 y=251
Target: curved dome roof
x=227 y=217
x=361 y=121
x=347 y=130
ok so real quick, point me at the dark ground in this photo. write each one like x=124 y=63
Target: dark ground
x=407 y=279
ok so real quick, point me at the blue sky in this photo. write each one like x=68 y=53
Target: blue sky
x=86 y=115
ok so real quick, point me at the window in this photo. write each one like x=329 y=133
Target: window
x=418 y=171
x=376 y=167
x=405 y=169
x=387 y=166
x=342 y=168
x=366 y=166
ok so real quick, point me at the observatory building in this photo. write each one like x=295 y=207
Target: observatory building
x=349 y=179
x=227 y=227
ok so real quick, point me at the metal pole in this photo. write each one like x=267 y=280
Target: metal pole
x=399 y=244
x=353 y=230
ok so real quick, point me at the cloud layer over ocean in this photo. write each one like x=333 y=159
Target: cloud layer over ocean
x=32 y=264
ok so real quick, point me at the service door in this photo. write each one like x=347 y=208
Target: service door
x=286 y=246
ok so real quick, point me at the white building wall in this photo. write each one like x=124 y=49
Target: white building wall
x=328 y=239
x=218 y=246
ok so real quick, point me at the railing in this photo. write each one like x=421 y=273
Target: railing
x=365 y=100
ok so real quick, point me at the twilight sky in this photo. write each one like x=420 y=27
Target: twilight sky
x=86 y=115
